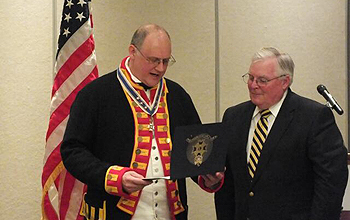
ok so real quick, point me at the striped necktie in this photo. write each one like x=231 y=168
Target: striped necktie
x=260 y=134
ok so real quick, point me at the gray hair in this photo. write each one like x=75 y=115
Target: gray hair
x=285 y=62
x=142 y=32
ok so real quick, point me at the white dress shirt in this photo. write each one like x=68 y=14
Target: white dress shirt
x=256 y=117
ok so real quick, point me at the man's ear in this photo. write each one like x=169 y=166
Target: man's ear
x=286 y=81
x=132 y=51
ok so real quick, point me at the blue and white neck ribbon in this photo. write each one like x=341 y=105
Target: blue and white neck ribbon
x=149 y=109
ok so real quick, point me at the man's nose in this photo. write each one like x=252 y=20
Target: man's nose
x=161 y=67
x=254 y=83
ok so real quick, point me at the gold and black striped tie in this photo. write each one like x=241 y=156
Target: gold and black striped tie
x=260 y=134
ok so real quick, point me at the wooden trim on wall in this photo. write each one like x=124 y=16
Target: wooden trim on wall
x=348 y=72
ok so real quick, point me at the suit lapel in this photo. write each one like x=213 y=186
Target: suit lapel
x=238 y=120
x=242 y=133
x=278 y=130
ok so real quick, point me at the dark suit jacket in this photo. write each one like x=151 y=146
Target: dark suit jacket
x=100 y=133
x=302 y=172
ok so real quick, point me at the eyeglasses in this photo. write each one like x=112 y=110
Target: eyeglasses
x=261 y=81
x=156 y=61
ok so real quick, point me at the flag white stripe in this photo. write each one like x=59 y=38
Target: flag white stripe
x=61 y=187
x=53 y=196
x=55 y=138
x=75 y=198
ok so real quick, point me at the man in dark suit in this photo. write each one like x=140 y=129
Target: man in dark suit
x=289 y=163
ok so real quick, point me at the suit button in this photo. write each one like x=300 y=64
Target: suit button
x=251 y=194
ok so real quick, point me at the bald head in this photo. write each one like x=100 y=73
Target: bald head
x=149 y=52
x=142 y=32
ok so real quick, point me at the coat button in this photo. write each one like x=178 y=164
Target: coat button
x=251 y=194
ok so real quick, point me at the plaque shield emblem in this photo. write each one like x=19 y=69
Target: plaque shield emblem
x=199 y=148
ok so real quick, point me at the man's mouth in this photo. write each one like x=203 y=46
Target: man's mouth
x=154 y=74
x=254 y=93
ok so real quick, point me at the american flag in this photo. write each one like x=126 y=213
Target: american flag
x=74 y=68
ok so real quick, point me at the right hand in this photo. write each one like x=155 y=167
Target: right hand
x=133 y=182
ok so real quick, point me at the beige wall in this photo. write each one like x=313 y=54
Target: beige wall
x=25 y=84
x=313 y=32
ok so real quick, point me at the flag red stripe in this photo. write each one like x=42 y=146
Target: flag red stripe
x=78 y=57
x=66 y=194
x=50 y=212
x=62 y=111
x=51 y=163
x=92 y=23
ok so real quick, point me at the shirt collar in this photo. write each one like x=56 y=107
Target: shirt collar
x=274 y=109
x=134 y=78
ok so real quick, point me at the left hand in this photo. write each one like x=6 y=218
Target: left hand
x=211 y=180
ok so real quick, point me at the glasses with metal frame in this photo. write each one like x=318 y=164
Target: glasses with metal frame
x=156 y=61
x=260 y=81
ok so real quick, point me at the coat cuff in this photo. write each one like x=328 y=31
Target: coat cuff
x=212 y=189
x=113 y=180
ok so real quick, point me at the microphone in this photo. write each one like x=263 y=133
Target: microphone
x=332 y=103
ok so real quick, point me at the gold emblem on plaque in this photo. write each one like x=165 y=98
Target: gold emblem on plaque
x=199 y=148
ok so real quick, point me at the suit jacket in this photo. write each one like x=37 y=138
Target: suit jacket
x=100 y=133
x=302 y=171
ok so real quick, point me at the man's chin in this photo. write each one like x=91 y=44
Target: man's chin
x=152 y=83
x=255 y=100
